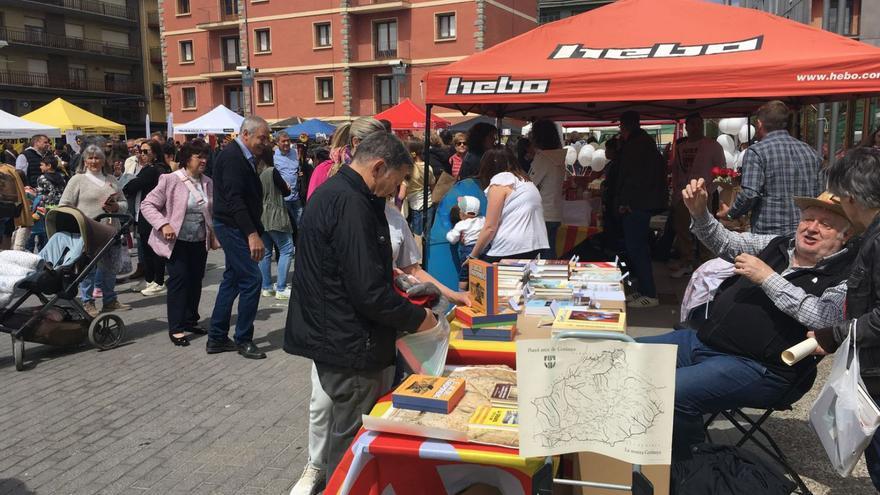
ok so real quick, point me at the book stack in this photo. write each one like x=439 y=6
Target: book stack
x=550 y=270
x=483 y=287
x=504 y=395
x=550 y=289
x=498 y=333
x=470 y=318
x=600 y=271
x=424 y=393
x=494 y=418
x=510 y=280
x=584 y=318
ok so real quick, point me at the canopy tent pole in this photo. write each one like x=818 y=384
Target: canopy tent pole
x=426 y=180
x=820 y=110
x=835 y=107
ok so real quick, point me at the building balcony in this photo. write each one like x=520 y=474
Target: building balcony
x=80 y=8
x=373 y=6
x=42 y=40
x=385 y=54
x=156 y=56
x=153 y=20
x=32 y=80
x=213 y=19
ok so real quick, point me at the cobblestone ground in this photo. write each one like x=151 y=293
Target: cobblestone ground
x=149 y=417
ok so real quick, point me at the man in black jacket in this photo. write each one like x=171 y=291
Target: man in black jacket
x=344 y=313
x=782 y=286
x=238 y=206
x=856 y=179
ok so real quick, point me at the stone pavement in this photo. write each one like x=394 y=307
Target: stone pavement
x=149 y=417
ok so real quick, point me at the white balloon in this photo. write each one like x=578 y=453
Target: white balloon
x=730 y=158
x=599 y=161
x=744 y=133
x=731 y=126
x=571 y=155
x=577 y=146
x=585 y=155
x=727 y=143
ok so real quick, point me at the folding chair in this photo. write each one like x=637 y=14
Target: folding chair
x=640 y=484
x=749 y=427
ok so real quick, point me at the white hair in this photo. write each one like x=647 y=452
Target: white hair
x=252 y=124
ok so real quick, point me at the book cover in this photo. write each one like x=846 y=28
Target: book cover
x=492 y=333
x=495 y=418
x=471 y=318
x=589 y=319
x=428 y=393
x=483 y=286
x=504 y=395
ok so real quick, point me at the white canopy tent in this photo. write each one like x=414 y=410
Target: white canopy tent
x=12 y=127
x=220 y=120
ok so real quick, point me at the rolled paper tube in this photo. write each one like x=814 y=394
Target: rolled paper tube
x=795 y=353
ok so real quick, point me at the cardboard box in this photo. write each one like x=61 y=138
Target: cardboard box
x=596 y=467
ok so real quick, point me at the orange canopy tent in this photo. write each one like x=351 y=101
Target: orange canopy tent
x=406 y=116
x=663 y=58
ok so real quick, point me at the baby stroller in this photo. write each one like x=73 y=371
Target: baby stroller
x=76 y=245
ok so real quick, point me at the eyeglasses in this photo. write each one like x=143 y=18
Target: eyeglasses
x=460 y=144
x=145 y=151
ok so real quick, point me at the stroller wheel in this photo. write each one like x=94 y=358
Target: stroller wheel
x=18 y=352
x=106 y=331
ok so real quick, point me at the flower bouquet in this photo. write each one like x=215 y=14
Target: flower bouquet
x=725 y=176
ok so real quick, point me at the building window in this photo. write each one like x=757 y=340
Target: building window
x=230 y=7
x=182 y=7
x=186 y=51
x=77 y=73
x=233 y=98
x=324 y=87
x=230 y=52
x=446 y=26
x=189 y=98
x=385 y=36
x=322 y=35
x=267 y=93
x=386 y=93
x=263 y=41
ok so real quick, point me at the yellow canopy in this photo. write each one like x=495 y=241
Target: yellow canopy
x=67 y=116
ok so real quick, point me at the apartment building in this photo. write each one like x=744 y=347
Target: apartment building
x=151 y=63
x=332 y=59
x=89 y=52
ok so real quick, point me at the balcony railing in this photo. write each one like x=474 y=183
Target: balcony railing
x=96 y=7
x=385 y=54
x=42 y=39
x=39 y=80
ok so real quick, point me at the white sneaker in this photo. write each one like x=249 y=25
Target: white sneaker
x=139 y=286
x=632 y=296
x=154 y=290
x=309 y=480
x=643 y=302
x=149 y=287
x=267 y=293
x=681 y=272
x=282 y=295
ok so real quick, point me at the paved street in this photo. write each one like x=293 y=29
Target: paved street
x=149 y=417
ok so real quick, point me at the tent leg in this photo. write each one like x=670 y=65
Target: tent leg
x=426 y=180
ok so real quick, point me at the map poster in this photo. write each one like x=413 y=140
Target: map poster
x=608 y=397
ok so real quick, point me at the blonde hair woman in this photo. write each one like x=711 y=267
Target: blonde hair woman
x=342 y=147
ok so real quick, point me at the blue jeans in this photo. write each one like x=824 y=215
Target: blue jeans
x=105 y=279
x=415 y=220
x=636 y=229
x=552 y=228
x=241 y=280
x=872 y=455
x=463 y=253
x=709 y=381
x=295 y=210
x=285 y=246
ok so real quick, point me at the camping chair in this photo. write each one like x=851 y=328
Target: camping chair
x=640 y=485
x=749 y=427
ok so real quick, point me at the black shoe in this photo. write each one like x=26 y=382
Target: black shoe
x=217 y=346
x=181 y=341
x=251 y=351
x=197 y=329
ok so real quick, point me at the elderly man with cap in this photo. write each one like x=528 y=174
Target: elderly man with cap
x=783 y=286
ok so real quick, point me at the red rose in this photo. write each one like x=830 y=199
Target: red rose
x=716 y=171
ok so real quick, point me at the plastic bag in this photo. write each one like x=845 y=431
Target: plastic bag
x=844 y=417
x=425 y=352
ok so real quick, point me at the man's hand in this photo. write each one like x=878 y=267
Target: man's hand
x=255 y=245
x=168 y=232
x=429 y=322
x=723 y=210
x=695 y=197
x=461 y=299
x=752 y=268
x=819 y=350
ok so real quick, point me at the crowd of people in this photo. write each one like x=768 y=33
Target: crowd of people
x=349 y=215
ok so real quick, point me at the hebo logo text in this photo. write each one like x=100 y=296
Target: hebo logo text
x=659 y=50
x=504 y=85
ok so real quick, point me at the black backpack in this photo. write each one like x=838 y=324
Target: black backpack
x=726 y=470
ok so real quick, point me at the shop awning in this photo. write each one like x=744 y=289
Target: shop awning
x=663 y=58
x=67 y=117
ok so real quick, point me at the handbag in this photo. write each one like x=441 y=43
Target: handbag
x=844 y=416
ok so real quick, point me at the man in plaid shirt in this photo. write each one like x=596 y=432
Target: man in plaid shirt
x=774 y=171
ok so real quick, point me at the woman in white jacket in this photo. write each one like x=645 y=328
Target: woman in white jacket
x=548 y=173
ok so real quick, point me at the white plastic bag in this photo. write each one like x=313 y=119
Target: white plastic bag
x=425 y=352
x=843 y=417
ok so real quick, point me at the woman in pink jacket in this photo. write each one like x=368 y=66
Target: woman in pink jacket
x=179 y=209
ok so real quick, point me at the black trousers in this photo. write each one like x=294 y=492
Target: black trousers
x=154 y=265
x=186 y=269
